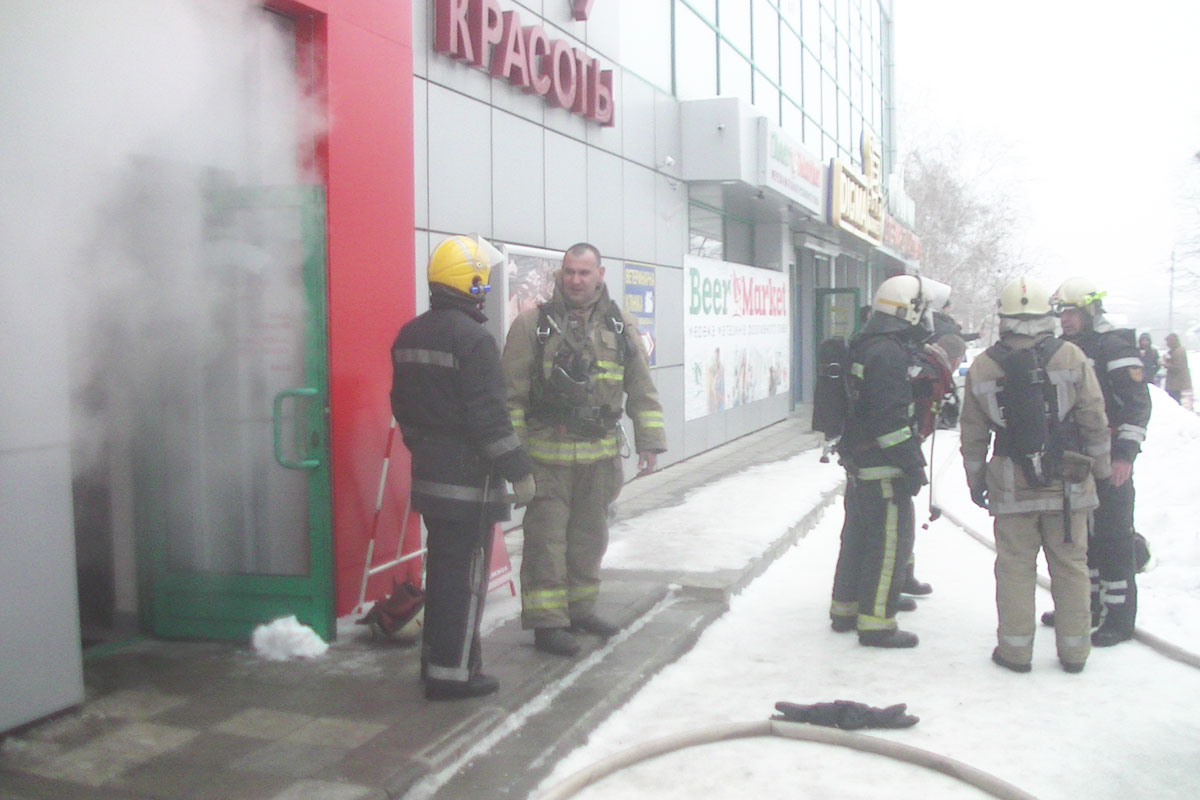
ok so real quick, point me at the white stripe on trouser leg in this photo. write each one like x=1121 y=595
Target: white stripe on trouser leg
x=1024 y=640
x=1112 y=593
x=1075 y=641
x=462 y=672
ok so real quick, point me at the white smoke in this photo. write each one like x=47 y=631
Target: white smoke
x=117 y=121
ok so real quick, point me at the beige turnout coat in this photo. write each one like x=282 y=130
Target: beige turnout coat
x=1079 y=397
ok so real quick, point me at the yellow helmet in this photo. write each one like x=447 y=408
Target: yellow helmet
x=464 y=263
x=1078 y=293
x=1025 y=297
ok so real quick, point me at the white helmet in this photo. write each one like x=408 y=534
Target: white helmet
x=910 y=297
x=1025 y=298
x=1080 y=293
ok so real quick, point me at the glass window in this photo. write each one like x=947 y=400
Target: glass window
x=812 y=24
x=792 y=119
x=790 y=57
x=829 y=147
x=735 y=23
x=812 y=84
x=790 y=10
x=828 y=104
x=812 y=133
x=828 y=44
x=856 y=85
x=735 y=73
x=766 y=39
x=705 y=232
x=706 y=8
x=766 y=97
x=642 y=50
x=739 y=241
x=695 y=56
x=845 y=132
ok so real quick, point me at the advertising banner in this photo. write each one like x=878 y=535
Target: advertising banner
x=737 y=335
x=640 y=301
x=529 y=276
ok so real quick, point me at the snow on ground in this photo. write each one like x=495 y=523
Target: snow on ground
x=1124 y=727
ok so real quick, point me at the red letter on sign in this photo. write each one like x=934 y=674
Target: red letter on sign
x=584 y=67
x=509 y=59
x=487 y=25
x=451 y=34
x=581 y=8
x=537 y=47
x=561 y=66
x=600 y=105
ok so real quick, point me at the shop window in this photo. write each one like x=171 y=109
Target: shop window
x=706 y=234
x=695 y=56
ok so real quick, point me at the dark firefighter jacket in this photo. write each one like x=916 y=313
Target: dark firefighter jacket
x=1114 y=355
x=879 y=440
x=448 y=397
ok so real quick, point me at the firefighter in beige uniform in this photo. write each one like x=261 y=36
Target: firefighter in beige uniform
x=567 y=364
x=1027 y=502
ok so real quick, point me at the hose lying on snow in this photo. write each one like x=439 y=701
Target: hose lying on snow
x=790 y=730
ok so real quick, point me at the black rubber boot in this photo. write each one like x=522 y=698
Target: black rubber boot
x=1074 y=667
x=843 y=624
x=916 y=587
x=906 y=604
x=1013 y=665
x=1108 y=635
x=477 y=686
x=558 y=641
x=592 y=624
x=889 y=638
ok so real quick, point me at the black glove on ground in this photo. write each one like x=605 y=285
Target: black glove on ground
x=846 y=714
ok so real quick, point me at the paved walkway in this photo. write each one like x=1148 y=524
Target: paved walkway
x=211 y=720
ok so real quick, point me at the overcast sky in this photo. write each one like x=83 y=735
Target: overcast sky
x=1088 y=110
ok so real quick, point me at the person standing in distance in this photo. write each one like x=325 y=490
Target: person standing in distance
x=884 y=466
x=1025 y=392
x=1114 y=355
x=569 y=363
x=448 y=398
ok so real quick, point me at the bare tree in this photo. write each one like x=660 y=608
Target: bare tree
x=968 y=237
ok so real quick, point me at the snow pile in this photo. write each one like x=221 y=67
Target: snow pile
x=726 y=524
x=287 y=638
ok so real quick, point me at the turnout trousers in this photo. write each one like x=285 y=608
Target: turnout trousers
x=566 y=534
x=456 y=582
x=877 y=541
x=1019 y=537
x=1110 y=556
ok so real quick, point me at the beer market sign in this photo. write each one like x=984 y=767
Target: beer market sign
x=856 y=201
x=479 y=33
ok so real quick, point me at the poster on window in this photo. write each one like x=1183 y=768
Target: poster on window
x=737 y=335
x=640 y=299
x=529 y=276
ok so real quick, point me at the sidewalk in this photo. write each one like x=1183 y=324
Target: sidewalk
x=211 y=720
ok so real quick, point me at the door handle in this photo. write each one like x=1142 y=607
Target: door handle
x=277 y=428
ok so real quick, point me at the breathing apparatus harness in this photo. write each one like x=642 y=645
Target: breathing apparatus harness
x=564 y=397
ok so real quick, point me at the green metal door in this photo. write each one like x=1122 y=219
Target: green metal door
x=233 y=468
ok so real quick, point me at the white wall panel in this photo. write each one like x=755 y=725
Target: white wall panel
x=638 y=191
x=668 y=319
x=518 y=165
x=566 y=191
x=605 y=201
x=421 y=153
x=636 y=114
x=670 y=220
x=460 y=163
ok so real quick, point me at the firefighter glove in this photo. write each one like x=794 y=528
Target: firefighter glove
x=524 y=490
x=847 y=715
x=913 y=480
x=979 y=495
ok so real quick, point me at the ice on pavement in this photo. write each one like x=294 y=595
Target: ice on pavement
x=1124 y=727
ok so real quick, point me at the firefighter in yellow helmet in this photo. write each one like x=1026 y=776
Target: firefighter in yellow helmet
x=1111 y=554
x=448 y=398
x=571 y=364
x=1034 y=401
